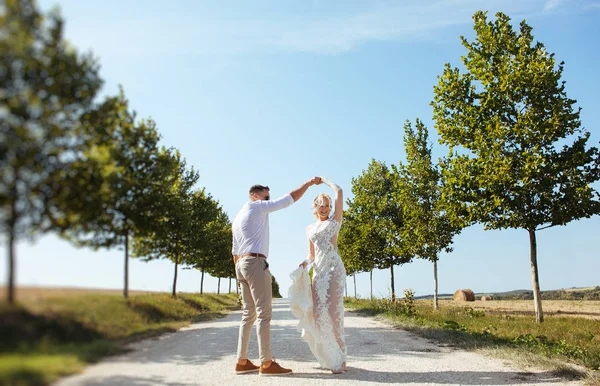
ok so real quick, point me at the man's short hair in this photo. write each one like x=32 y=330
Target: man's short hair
x=257 y=189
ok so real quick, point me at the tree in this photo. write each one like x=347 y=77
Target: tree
x=518 y=155
x=359 y=246
x=199 y=254
x=379 y=217
x=180 y=222
x=275 y=288
x=216 y=256
x=45 y=86
x=428 y=229
x=169 y=235
x=117 y=182
x=349 y=255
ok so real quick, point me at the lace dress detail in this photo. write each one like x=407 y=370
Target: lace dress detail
x=329 y=277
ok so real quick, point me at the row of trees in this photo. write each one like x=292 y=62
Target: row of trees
x=397 y=213
x=90 y=171
x=517 y=158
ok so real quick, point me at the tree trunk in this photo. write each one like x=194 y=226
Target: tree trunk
x=12 y=261
x=219 y=287
x=126 y=273
x=435 y=285
x=392 y=281
x=174 y=294
x=371 y=280
x=237 y=287
x=11 y=266
x=354 y=285
x=346 y=288
x=537 y=296
x=202 y=283
x=229 y=285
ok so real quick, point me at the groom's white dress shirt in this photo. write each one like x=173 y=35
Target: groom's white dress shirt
x=251 y=225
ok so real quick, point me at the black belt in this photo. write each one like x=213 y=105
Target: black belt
x=253 y=255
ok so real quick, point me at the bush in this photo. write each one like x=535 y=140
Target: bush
x=404 y=307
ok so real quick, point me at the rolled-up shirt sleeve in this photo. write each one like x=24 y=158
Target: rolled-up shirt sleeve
x=277 y=204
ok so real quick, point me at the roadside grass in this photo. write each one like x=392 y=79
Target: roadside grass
x=41 y=341
x=569 y=346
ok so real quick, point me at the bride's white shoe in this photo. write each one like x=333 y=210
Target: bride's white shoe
x=342 y=369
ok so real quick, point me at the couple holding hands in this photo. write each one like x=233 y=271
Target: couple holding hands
x=320 y=306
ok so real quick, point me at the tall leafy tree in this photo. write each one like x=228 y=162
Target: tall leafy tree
x=176 y=246
x=428 y=229
x=360 y=245
x=215 y=252
x=518 y=154
x=380 y=216
x=45 y=86
x=169 y=237
x=349 y=256
x=122 y=173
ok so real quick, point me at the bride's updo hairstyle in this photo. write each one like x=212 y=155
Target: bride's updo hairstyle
x=318 y=201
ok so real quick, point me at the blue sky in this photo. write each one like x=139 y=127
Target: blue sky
x=276 y=92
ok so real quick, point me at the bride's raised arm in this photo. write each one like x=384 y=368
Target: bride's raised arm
x=339 y=199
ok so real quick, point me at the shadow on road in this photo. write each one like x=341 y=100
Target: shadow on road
x=133 y=381
x=438 y=377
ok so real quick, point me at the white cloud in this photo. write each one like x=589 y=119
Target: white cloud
x=333 y=32
x=551 y=4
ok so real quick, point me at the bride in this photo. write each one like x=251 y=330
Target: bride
x=323 y=328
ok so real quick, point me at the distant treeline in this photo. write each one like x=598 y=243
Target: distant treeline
x=581 y=294
x=571 y=294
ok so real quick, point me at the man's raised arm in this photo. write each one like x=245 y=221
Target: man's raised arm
x=299 y=192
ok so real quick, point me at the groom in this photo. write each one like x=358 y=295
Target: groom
x=250 y=250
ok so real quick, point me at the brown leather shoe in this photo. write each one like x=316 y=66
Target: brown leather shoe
x=249 y=367
x=274 y=369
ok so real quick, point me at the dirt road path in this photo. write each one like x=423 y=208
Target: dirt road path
x=204 y=354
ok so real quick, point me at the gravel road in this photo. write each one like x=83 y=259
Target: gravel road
x=204 y=354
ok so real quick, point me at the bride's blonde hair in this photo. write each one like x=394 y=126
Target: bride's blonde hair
x=318 y=201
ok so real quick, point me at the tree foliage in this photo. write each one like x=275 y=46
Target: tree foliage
x=212 y=248
x=372 y=235
x=428 y=229
x=275 y=288
x=518 y=155
x=170 y=236
x=90 y=171
x=117 y=182
x=45 y=86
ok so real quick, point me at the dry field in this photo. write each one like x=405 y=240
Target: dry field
x=578 y=308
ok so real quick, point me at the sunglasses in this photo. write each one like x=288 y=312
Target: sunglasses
x=265 y=198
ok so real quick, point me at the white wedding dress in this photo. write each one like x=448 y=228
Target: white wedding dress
x=320 y=307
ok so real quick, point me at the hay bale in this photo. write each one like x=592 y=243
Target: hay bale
x=486 y=297
x=464 y=295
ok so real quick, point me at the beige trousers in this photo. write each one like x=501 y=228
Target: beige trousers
x=255 y=282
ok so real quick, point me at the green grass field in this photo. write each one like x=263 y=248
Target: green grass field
x=562 y=339
x=44 y=338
